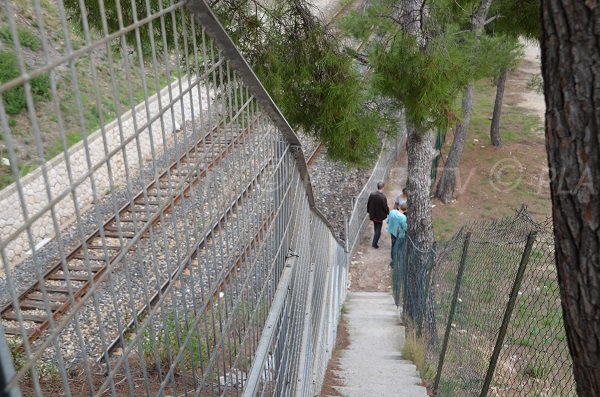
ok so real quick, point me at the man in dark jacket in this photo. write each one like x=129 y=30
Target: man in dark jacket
x=378 y=210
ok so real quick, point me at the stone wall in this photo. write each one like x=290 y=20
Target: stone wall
x=105 y=149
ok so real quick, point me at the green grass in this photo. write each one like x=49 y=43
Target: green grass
x=14 y=99
x=195 y=354
x=57 y=146
x=537 y=370
x=26 y=37
x=515 y=124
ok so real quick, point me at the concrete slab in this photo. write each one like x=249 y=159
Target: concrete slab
x=373 y=364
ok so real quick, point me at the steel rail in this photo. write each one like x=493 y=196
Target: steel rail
x=34 y=297
x=186 y=262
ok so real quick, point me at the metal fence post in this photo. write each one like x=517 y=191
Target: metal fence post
x=508 y=313
x=348 y=247
x=461 y=269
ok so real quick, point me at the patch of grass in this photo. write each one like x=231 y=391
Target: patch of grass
x=57 y=147
x=14 y=99
x=195 y=354
x=25 y=169
x=26 y=38
x=537 y=370
x=414 y=349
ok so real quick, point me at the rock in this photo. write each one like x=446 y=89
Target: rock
x=236 y=378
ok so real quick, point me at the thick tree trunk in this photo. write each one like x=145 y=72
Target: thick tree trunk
x=495 y=128
x=420 y=230
x=570 y=45
x=447 y=183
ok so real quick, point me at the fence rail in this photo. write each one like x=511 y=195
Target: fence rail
x=489 y=311
x=178 y=252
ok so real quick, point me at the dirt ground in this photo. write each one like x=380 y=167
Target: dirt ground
x=493 y=182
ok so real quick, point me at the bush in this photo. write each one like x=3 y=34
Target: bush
x=14 y=99
x=26 y=37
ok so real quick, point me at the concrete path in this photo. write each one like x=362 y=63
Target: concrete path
x=373 y=365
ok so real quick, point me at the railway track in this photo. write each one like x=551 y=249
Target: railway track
x=226 y=273
x=66 y=282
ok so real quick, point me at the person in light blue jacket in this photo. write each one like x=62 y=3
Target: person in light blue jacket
x=396 y=223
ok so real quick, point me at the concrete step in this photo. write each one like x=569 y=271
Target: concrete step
x=373 y=364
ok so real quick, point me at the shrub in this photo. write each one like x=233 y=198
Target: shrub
x=14 y=99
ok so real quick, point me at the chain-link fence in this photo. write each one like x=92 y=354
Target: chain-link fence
x=488 y=310
x=175 y=250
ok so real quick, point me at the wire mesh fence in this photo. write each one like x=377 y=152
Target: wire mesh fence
x=488 y=310
x=175 y=250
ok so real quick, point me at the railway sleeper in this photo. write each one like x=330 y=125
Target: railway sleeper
x=80 y=255
x=26 y=317
x=35 y=304
x=38 y=296
x=62 y=276
x=78 y=268
x=16 y=331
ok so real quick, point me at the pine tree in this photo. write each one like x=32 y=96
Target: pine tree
x=571 y=71
x=297 y=58
x=513 y=20
x=422 y=60
x=447 y=182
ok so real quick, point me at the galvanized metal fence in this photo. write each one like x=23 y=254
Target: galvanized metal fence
x=390 y=151
x=175 y=251
x=490 y=312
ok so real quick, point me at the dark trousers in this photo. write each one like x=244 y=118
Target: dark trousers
x=377 y=228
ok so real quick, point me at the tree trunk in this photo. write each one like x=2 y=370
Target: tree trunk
x=420 y=230
x=495 y=128
x=447 y=183
x=570 y=45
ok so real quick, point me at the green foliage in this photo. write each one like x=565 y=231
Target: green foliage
x=426 y=76
x=299 y=62
x=318 y=90
x=427 y=81
x=195 y=353
x=500 y=52
x=26 y=38
x=134 y=11
x=14 y=99
x=537 y=370
x=536 y=84
x=515 y=18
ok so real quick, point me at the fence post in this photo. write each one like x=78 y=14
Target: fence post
x=461 y=269
x=508 y=313
x=347 y=232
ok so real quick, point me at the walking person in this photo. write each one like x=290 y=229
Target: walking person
x=397 y=224
x=397 y=227
x=378 y=210
x=402 y=198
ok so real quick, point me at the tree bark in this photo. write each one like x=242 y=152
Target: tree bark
x=495 y=127
x=570 y=44
x=420 y=229
x=447 y=183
